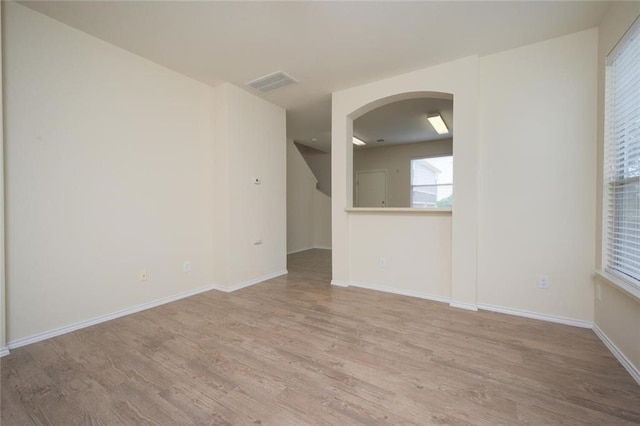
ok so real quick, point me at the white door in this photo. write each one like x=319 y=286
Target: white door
x=371 y=189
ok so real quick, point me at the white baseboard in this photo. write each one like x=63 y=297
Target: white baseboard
x=309 y=248
x=462 y=305
x=97 y=320
x=299 y=250
x=4 y=351
x=544 y=317
x=401 y=292
x=339 y=283
x=620 y=356
x=235 y=287
x=124 y=312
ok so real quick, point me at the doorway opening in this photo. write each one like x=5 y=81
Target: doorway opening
x=371 y=188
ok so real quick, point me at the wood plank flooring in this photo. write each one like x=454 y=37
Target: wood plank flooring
x=296 y=351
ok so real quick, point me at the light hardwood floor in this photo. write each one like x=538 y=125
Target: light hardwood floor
x=295 y=350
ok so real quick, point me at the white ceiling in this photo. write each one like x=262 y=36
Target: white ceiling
x=327 y=46
x=403 y=122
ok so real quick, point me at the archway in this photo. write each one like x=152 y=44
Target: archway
x=459 y=79
x=400 y=160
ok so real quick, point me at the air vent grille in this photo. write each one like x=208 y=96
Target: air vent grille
x=272 y=81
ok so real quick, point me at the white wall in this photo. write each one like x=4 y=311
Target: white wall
x=255 y=142
x=3 y=311
x=320 y=164
x=115 y=165
x=537 y=116
x=221 y=214
x=308 y=210
x=526 y=148
x=416 y=252
x=321 y=220
x=396 y=160
x=301 y=185
x=617 y=313
x=108 y=173
x=459 y=78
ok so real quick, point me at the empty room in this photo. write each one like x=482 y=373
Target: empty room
x=320 y=213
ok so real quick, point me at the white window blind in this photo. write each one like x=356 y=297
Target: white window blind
x=622 y=158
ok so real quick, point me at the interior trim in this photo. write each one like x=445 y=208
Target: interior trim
x=134 y=309
x=248 y=283
x=533 y=315
x=620 y=356
x=426 y=210
x=410 y=293
x=339 y=283
x=462 y=305
x=618 y=283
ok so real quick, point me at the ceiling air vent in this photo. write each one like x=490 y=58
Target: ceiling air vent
x=272 y=81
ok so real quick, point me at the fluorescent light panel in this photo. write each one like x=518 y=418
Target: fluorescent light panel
x=438 y=123
x=358 y=142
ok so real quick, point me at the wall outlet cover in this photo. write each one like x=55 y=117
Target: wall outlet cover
x=543 y=282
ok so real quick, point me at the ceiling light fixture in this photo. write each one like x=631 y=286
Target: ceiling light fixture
x=358 y=142
x=438 y=123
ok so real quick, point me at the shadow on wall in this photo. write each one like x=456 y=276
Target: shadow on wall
x=320 y=164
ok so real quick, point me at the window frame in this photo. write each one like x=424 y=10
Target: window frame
x=617 y=174
x=411 y=185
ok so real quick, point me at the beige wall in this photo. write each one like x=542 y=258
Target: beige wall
x=416 y=252
x=536 y=174
x=308 y=209
x=320 y=164
x=301 y=184
x=116 y=165
x=254 y=212
x=396 y=160
x=108 y=159
x=533 y=178
x=322 y=220
x=3 y=334
x=459 y=78
x=617 y=313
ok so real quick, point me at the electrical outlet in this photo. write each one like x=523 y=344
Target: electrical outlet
x=543 y=282
x=383 y=262
x=142 y=276
x=186 y=266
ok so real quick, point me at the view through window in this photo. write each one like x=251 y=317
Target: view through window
x=432 y=182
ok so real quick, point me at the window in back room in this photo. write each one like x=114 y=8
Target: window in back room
x=432 y=182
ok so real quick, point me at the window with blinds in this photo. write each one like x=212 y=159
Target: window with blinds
x=432 y=182
x=622 y=158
